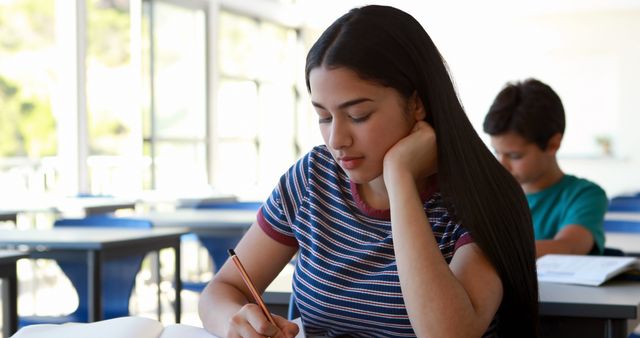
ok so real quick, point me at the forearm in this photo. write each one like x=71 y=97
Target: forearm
x=572 y=239
x=218 y=303
x=558 y=246
x=432 y=293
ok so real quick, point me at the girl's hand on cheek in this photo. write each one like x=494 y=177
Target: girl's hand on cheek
x=416 y=153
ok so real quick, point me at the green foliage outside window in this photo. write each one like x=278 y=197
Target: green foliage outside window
x=26 y=24
x=27 y=127
x=108 y=31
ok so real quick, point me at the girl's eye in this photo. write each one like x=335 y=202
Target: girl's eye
x=324 y=119
x=358 y=119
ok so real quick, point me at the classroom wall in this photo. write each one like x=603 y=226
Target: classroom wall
x=590 y=57
x=587 y=50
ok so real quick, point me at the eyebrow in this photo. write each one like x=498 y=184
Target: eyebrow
x=344 y=104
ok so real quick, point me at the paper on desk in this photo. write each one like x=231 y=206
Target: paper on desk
x=301 y=332
x=583 y=270
x=181 y=330
x=123 y=327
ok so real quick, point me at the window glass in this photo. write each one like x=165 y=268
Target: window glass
x=276 y=48
x=111 y=107
x=180 y=72
x=238 y=172
x=257 y=104
x=175 y=107
x=237 y=109
x=28 y=139
x=180 y=167
x=237 y=39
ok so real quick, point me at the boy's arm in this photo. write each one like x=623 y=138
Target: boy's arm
x=583 y=231
x=572 y=239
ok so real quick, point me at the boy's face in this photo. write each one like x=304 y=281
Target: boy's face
x=523 y=159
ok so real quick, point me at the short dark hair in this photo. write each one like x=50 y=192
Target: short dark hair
x=530 y=108
x=389 y=47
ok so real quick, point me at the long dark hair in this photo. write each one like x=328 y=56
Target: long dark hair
x=388 y=46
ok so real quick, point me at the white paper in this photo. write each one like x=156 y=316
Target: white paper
x=185 y=331
x=123 y=327
x=583 y=270
x=301 y=332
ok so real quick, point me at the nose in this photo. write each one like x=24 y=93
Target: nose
x=340 y=136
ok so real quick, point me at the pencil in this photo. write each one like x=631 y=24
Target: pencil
x=249 y=284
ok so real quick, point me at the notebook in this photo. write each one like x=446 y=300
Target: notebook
x=583 y=270
x=123 y=327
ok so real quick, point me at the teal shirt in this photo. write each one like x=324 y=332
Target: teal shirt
x=572 y=200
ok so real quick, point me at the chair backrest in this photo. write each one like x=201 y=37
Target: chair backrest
x=118 y=275
x=613 y=252
x=293 y=312
x=217 y=246
x=621 y=225
x=624 y=204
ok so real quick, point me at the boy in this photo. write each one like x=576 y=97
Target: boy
x=526 y=122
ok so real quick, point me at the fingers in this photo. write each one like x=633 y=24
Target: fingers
x=288 y=329
x=239 y=327
x=250 y=322
x=261 y=325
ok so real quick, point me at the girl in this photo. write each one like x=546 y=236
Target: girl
x=404 y=223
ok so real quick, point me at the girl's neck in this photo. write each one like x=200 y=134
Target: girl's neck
x=375 y=195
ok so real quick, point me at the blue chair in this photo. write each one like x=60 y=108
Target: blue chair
x=613 y=252
x=118 y=276
x=621 y=225
x=624 y=204
x=217 y=246
x=293 y=312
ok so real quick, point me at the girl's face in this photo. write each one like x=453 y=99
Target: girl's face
x=359 y=120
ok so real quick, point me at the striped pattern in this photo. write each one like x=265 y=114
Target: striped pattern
x=346 y=281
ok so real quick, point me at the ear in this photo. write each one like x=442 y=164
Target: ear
x=416 y=108
x=554 y=143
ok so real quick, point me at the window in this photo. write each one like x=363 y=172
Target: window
x=28 y=80
x=175 y=126
x=256 y=120
x=113 y=110
x=134 y=106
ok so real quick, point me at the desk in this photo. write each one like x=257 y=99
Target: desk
x=622 y=216
x=629 y=242
x=623 y=233
x=88 y=206
x=98 y=245
x=211 y=222
x=610 y=310
x=67 y=205
x=217 y=229
x=8 y=260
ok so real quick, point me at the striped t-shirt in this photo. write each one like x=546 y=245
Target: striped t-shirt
x=346 y=279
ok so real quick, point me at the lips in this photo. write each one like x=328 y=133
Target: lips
x=350 y=162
